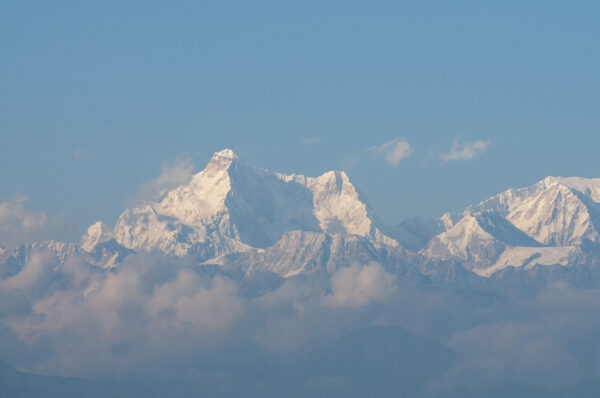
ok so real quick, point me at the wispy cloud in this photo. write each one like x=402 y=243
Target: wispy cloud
x=393 y=151
x=172 y=175
x=465 y=150
x=311 y=141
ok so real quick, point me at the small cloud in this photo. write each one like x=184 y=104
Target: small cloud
x=465 y=150
x=172 y=175
x=393 y=151
x=311 y=141
x=83 y=154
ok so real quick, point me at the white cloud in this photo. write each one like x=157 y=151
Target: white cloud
x=528 y=339
x=19 y=225
x=392 y=151
x=356 y=286
x=119 y=318
x=209 y=308
x=465 y=150
x=75 y=319
x=172 y=175
x=35 y=271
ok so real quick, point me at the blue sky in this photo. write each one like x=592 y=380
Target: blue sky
x=96 y=97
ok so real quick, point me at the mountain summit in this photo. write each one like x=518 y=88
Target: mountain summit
x=547 y=223
x=556 y=211
x=231 y=206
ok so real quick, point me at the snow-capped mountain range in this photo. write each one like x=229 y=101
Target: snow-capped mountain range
x=231 y=206
x=547 y=223
x=234 y=215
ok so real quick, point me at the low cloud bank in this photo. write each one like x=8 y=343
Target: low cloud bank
x=73 y=319
x=19 y=224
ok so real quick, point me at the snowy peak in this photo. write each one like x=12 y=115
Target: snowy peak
x=232 y=206
x=478 y=239
x=545 y=223
x=557 y=216
x=96 y=233
x=222 y=160
x=589 y=187
x=337 y=204
x=341 y=209
x=556 y=211
x=226 y=153
x=503 y=230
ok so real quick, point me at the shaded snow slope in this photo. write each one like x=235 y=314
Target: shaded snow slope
x=477 y=239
